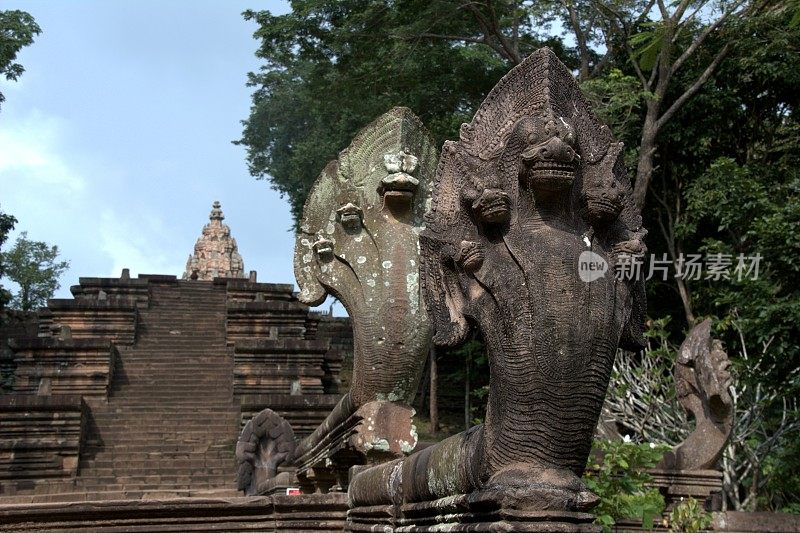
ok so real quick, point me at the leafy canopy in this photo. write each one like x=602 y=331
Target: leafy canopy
x=17 y=30
x=7 y=223
x=32 y=265
x=330 y=67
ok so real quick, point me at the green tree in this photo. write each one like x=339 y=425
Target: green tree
x=617 y=471
x=17 y=30
x=331 y=67
x=32 y=265
x=7 y=223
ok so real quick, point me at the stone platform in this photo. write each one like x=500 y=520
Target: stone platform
x=308 y=513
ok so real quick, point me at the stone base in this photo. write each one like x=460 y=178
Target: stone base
x=466 y=512
x=756 y=522
x=705 y=486
x=308 y=513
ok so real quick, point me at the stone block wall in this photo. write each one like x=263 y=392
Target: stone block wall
x=41 y=436
x=111 y=319
x=52 y=366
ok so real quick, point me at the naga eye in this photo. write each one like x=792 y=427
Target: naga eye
x=532 y=137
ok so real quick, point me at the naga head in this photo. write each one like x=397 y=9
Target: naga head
x=350 y=217
x=603 y=199
x=549 y=159
x=359 y=241
x=399 y=186
x=492 y=206
x=702 y=381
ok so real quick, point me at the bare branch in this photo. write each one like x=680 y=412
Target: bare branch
x=681 y=9
x=580 y=38
x=636 y=67
x=664 y=11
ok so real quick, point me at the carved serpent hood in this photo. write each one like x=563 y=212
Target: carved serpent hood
x=358 y=242
x=534 y=184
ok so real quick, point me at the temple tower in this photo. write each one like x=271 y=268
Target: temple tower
x=215 y=252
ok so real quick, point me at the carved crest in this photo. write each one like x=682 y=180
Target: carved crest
x=532 y=139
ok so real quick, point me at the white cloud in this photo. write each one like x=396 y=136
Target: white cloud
x=133 y=245
x=78 y=201
x=30 y=147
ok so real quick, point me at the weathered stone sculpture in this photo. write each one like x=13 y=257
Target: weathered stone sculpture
x=702 y=381
x=533 y=191
x=215 y=252
x=359 y=242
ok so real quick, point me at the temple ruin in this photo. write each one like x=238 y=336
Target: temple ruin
x=213 y=402
x=137 y=388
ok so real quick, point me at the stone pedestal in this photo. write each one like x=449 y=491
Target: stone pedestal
x=480 y=511
x=705 y=486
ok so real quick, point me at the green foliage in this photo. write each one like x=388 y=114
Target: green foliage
x=783 y=470
x=7 y=223
x=617 y=473
x=331 y=67
x=617 y=99
x=17 y=30
x=728 y=183
x=32 y=265
x=754 y=209
x=647 y=44
x=689 y=517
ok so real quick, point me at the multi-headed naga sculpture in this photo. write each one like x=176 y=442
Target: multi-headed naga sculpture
x=702 y=381
x=358 y=241
x=533 y=193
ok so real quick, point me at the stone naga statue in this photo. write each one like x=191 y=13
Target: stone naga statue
x=532 y=193
x=359 y=241
x=702 y=381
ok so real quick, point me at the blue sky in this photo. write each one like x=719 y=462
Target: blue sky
x=117 y=139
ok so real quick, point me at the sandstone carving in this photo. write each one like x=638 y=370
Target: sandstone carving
x=534 y=188
x=216 y=254
x=358 y=241
x=702 y=381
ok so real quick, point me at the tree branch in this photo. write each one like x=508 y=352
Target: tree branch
x=501 y=47
x=702 y=37
x=580 y=38
x=696 y=86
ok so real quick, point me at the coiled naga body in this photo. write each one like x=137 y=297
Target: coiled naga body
x=529 y=240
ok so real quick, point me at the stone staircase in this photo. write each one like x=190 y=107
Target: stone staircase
x=170 y=424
